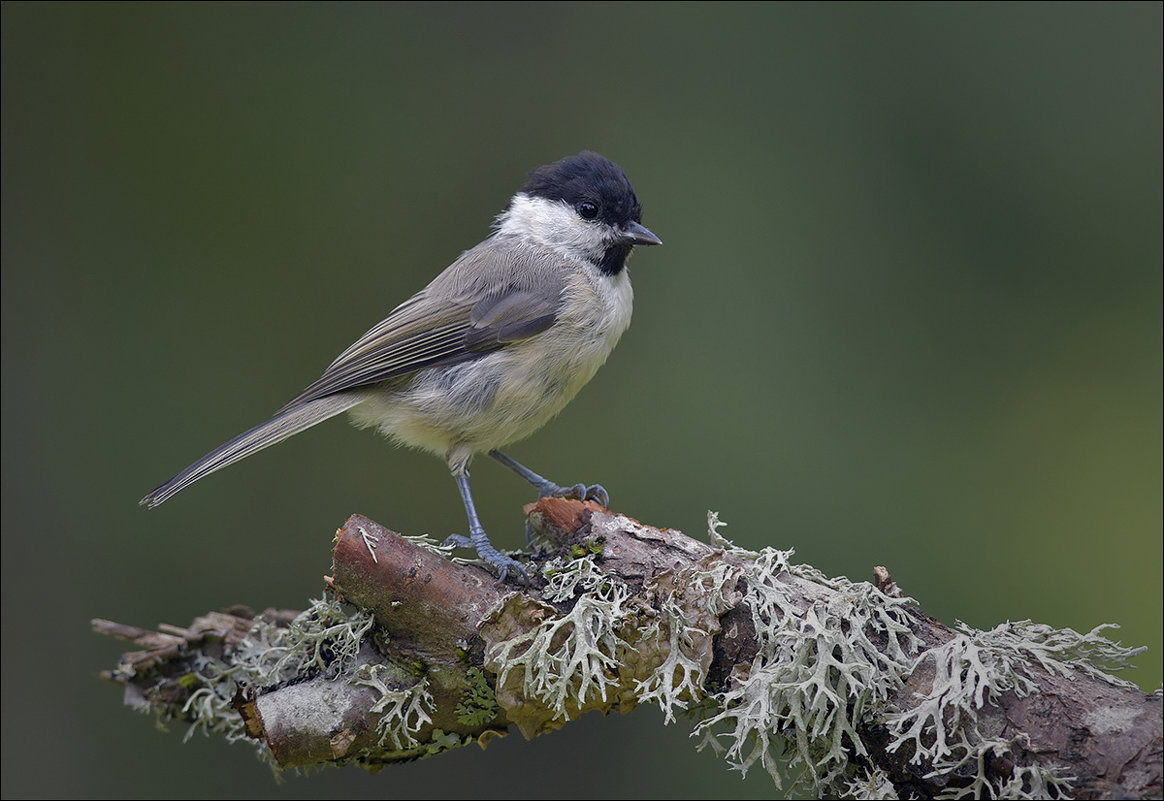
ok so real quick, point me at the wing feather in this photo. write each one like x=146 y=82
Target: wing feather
x=424 y=332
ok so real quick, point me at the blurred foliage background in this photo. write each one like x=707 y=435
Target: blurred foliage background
x=908 y=313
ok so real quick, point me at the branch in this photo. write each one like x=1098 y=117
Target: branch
x=842 y=688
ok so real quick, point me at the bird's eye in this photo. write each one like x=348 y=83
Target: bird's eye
x=587 y=210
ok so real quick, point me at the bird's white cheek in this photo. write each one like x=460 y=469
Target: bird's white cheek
x=555 y=225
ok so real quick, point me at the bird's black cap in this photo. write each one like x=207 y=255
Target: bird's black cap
x=588 y=177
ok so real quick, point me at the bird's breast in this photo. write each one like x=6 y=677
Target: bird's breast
x=508 y=394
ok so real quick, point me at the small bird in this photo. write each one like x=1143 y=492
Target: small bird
x=490 y=350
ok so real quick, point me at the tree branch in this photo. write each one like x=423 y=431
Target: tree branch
x=844 y=687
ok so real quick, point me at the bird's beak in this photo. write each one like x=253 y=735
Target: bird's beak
x=638 y=234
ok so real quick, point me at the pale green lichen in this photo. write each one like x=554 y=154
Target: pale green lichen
x=324 y=639
x=403 y=710
x=567 y=578
x=872 y=786
x=824 y=670
x=574 y=656
x=449 y=551
x=432 y=546
x=1024 y=781
x=686 y=623
x=817 y=674
x=974 y=669
x=209 y=706
x=659 y=640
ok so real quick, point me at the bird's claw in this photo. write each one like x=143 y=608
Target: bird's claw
x=579 y=492
x=594 y=492
x=457 y=541
x=500 y=563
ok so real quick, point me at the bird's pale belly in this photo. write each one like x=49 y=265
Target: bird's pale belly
x=476 y=406
x=458 y=410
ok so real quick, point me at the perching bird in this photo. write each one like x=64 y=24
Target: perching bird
x=493 y=348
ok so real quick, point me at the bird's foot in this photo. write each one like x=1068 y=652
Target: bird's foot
x=503 y=565
x=548 y=489
x=579 y=492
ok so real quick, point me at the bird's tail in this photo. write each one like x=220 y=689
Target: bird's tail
x=277 y=429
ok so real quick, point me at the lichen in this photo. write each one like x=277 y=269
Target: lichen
x=567 y=578
x=825 y=670
x=1024 y=781
x=589 y=547
x=689 y=607
x=209 y=706
x=818 y=673
x=593 y=637
x=432 y=546
x=569 y=657
x=973 y=669
x=444 y=741
x=876 y=785
x=324 y=639
x=478 y=704
x=404 y=709
x=832 y=661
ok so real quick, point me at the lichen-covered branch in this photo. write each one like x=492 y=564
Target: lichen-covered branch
x=835 y=688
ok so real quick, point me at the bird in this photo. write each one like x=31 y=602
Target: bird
x=493 y=348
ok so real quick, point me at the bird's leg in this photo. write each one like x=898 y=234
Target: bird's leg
x=477 y=538
x=548 y=489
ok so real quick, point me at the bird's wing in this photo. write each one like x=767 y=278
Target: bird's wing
x=424 y=333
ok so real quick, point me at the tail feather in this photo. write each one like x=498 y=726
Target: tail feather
x=275 y=430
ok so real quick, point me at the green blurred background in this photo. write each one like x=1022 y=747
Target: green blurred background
x=908 y=313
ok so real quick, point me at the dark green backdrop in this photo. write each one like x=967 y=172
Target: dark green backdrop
x=908 y=313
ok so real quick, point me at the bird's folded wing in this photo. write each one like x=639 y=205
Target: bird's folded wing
x=424 y=333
